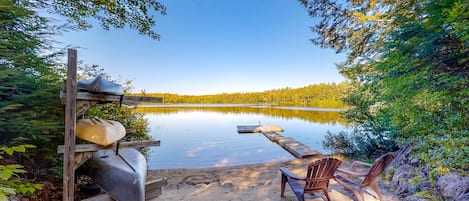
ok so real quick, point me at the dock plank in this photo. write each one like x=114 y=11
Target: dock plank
x=285 y=140
x=300 y=150
x=297 y=149
x=272 y=136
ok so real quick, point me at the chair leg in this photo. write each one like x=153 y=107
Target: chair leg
x=282 y=185
x=359 y=194
x=326 y=194
x=375 y=187
x=300 y=197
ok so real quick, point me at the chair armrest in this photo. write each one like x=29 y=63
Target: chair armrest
x=351 y=173
x=356 y=163
x=289 y=174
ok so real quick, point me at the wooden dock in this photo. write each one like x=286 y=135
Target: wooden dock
x=248 y=129
x=296 y=148
x=259 y=128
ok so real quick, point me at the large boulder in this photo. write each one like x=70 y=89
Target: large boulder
x=412 y=198
x=453 y=186
x=400 y=180
x=464 y=197
x=410 y=178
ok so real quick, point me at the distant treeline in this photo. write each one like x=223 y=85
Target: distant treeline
x=319 y=116
x=318 y=95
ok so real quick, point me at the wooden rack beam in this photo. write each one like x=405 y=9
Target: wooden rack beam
x=94 y=147
x=126 y=100
x=83 y=152
x=152 y=190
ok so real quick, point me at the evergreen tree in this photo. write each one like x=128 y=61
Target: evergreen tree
x=29 y=104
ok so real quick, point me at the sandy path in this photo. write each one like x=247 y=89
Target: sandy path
x=250 y=182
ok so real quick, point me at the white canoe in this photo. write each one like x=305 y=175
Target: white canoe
x=100 y=131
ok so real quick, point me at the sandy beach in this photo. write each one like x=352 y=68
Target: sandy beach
x=248 y=182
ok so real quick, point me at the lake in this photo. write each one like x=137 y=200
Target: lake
x=198 y=136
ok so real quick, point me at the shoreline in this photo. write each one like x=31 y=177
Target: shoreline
x=246 y=182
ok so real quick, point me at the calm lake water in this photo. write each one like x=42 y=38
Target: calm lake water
x=197 y=136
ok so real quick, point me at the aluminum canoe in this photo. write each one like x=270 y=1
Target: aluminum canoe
x=122 y=176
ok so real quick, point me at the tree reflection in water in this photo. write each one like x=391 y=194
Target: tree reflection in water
x=314 y=115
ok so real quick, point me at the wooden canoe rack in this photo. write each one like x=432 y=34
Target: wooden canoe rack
x=76 y=154
x=152 y=190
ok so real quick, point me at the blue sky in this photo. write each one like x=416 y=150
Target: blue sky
x=214 y=46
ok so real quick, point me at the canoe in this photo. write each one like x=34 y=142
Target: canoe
x=100 y=85
x=122 y=176
x=100 y=131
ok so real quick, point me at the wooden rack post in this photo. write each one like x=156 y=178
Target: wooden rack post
x=70 y=123
x=75 y=155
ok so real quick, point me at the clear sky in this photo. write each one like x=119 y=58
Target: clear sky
x=214 y=46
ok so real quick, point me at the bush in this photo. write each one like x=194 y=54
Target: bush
x=10 y=182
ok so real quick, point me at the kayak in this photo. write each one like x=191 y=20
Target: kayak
x=100 y=85
x=100 y=131
x=122 y=175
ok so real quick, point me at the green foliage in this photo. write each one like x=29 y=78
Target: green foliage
x=340 y=143
x=13 y=149
x=408 y=66
x=372 y=135
x=426 y=195
x=30 y=109
x=319 y=95
x=426 y=77
x=138 y=15
x=415 y=181
x=10 y=183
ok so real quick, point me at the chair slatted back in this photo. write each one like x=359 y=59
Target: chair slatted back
x=319 y=173
x=378 y=167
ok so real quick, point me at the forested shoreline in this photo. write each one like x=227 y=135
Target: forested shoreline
x=407 y=72
x=328 y=95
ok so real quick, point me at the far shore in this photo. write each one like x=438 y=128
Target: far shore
x=257 y=182
x=157 y=105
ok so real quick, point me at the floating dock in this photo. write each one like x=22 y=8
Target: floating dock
x=259 y=128
x=248 y=129
x=298 y=149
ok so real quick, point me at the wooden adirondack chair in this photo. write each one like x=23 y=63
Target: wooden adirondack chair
x=348 y=178
x=316 y=180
